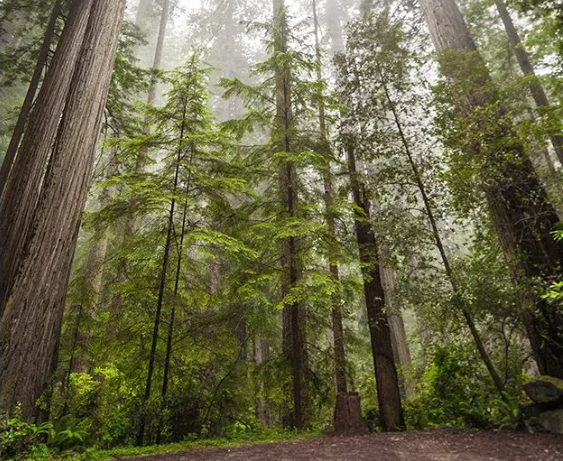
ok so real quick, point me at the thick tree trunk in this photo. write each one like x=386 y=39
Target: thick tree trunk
x=388 y=393
x=536 y=88
x=22 y=190
x=401 y=350
x=292 y=323
x=518 y=205
x=31 y=322
x=30 y=95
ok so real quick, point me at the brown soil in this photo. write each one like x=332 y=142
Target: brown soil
x=431 y=445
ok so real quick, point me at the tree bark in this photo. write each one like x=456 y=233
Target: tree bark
x=518 y=204
x=388 y=392
x=536 y=88
x=31 y=323
x=30 y=95
x=22 y=190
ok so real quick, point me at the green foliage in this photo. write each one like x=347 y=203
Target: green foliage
x=224 y=275
x=447 y=394
x=451 y=392
x=241 y=438
x=23 y=441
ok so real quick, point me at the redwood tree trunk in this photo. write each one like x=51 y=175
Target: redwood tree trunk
x=518 y=205
x=22 y=189
x=31 y=322
x=388 y=392
x=401 y=350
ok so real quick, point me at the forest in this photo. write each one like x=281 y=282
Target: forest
x=281 y=230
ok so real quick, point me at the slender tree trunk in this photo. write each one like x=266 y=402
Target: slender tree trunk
x=162 y=284
x=30 y=95
x=131 y=224
x=292 y=324
x=22 y=189
x=131 y=227
x=441 y=249
x=536 y=88
x=518 y=205
x=171 y=324
x=388 y=392
x=31 y=323
x=337 y=325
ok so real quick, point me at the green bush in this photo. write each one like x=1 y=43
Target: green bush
x=449 y=394
x=20 y=440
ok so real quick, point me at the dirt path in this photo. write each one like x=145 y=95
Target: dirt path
x=431 y=445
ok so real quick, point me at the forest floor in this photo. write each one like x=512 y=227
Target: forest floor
x=429 y=445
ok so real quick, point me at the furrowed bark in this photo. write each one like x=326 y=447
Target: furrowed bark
x=31 y=323
x=24 y=183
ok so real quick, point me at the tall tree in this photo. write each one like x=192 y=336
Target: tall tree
x=131 y=225
x=19 y=196
x=292 y=315
x=328 y=196
x=31 y=321
x=387 y=380
x=440 y=244
x=536 y=88
x=518 y=205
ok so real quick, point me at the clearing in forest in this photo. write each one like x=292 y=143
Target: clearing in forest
x=431 y=445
